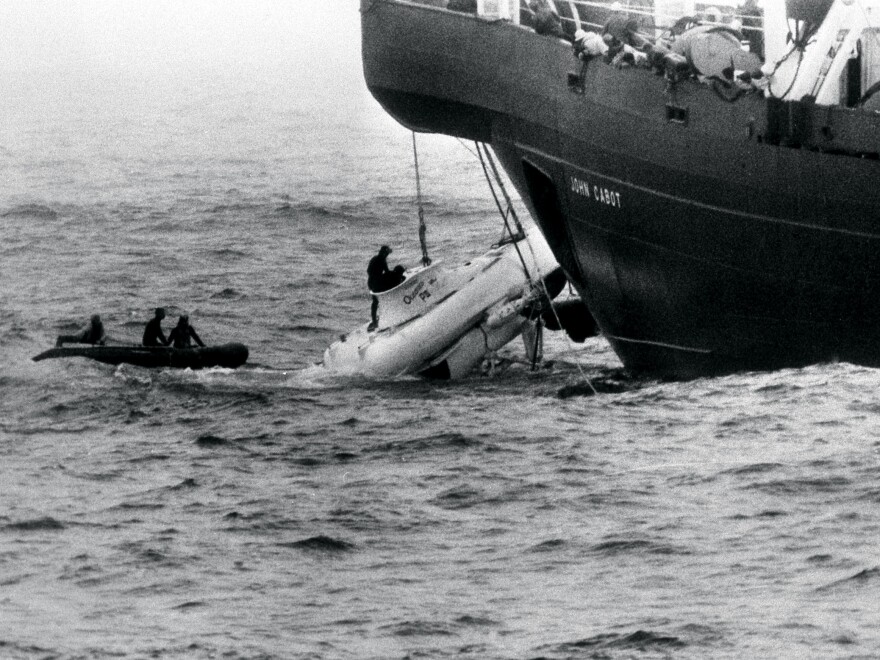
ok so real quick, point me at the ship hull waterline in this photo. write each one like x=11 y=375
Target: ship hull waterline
x=699 y=248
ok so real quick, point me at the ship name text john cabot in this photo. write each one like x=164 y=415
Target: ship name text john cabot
x=596 y=193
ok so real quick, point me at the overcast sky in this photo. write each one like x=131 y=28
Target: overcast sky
x=91 y=35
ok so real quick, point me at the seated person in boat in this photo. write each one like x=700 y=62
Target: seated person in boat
x=380 y=278
x=153 y=335
x=92 y=334
x=183 y=334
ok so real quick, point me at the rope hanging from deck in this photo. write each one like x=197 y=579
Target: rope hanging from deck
x=509 y=212
x=423 y=229
x=540 y=282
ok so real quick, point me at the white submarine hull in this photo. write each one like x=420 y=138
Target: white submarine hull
x=442 y=322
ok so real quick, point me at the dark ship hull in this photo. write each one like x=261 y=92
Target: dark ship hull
x=705 y=236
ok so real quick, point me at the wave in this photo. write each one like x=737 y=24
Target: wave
x=460 y=497
x=477 y=621
x=36 y=525
x=16 y=650
x=183 y=485
x=418 y=629
x=372 y=209
x=321 y=543
x=549 y=546
x=613 y=382
x=640 y=640
x=862 y=578
x=615 y=547
x=419 y=446
x=137 y=506
x=211 y=441
x=228 y=294
x=754 y=468
x=304 y=328
x=236 y=207
x=355 y=518
x=190 y=604
x=33 y=211
x=819 y=559
x=230 y=253
x=15 y=331
x=802 y=486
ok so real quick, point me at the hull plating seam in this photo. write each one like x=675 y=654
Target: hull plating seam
x=700 y=205
x=702 y=351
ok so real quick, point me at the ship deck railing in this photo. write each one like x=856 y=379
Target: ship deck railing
x=577 y=14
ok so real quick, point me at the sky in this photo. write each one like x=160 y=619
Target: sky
x=62 y=57
x=92 y=36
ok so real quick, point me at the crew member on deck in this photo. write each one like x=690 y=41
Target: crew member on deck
x=622 y=30
x=379 y=279
x=93 y=334
x=153 y=335
x=183 y=334
x=465 y=6
x=752 y=22
x=547 y=21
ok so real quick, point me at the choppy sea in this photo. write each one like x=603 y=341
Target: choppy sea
x=278 y=511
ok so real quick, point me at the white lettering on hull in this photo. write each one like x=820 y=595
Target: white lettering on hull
x=596 y=193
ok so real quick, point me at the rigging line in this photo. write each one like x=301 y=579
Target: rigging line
x=797 y=72
x=542 y=284
x=423 y=229
x=464 y=144
x=568 y=339
x=510 y=208
x=479 y=155
x=476 y=154
x=500 y=208
x=504 y=214
x=510 y=212
x=541 y=281
x=546 y=293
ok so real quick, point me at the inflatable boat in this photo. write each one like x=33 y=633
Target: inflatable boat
x=229 y=356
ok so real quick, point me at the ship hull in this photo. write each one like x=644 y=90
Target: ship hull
x=700 y=244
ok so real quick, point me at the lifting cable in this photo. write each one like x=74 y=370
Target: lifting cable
x=423 y=229
x=507 y=225
x=510 y=209
x=521 y=234
x=504 y=214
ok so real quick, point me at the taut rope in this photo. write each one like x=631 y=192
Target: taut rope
x=423 y=229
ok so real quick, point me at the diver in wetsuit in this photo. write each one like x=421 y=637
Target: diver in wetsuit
x=93 y=334
x=380 y=278
x=377 y=271
x=183 y=334
x=153 y=335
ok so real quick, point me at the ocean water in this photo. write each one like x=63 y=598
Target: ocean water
x=278 y=511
